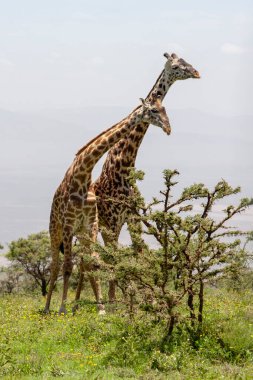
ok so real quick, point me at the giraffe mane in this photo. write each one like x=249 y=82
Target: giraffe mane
x=100 y=134
x=152 y=89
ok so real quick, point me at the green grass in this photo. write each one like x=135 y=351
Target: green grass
x=89 y=346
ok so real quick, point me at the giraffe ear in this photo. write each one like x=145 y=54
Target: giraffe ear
x=166 y=55
x=169 y=60
x=142 y=101
x=156 y=95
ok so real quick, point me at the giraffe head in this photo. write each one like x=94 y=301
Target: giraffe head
x=154 y=113
x=179 y=67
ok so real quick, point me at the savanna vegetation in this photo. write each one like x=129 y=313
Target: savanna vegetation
x=184 y=308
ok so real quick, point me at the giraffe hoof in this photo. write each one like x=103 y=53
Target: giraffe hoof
x=75 y=308
x=62 y=311
x=101 y=309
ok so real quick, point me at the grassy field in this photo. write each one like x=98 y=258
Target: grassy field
x=88 y=346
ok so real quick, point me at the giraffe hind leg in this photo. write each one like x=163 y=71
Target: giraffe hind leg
x=56 y=242
x=67 y=270
x=55 y=267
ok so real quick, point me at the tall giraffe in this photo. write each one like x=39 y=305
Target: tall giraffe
x=74 y=207
x=113 y=181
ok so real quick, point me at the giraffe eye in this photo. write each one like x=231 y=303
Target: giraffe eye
x=154 y=110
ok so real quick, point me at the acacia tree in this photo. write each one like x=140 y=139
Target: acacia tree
x=33 y=256
x=11 y=278
x=192 y=247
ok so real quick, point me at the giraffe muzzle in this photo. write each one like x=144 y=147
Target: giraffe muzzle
x=197 y=75
x=167 y=129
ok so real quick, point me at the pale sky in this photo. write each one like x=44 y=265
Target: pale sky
x=62 y=53
x=60 y=58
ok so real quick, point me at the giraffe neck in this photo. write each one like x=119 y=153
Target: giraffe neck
x=162 y=84
x=88 y=156
x=128 y=147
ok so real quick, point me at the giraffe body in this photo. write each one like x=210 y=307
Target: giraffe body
x=74 y=207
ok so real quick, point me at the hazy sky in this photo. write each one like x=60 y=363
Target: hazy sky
x=57 y=57
x=62 y=53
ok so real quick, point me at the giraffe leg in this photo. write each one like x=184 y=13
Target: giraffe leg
x=94 y=280
x=135 y=230
x=110 y=239
x=86 y=241
x=53 y=277
x=79 y=285
x=96 y=286
x=54 y=270
x=112 y=291
x=67 y=270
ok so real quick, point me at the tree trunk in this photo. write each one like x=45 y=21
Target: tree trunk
x=43 y=287
x=201 y=301
x=191 y=305
x=168 y=335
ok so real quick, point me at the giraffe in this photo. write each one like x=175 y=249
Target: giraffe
x=113 y=181
x=74 y=207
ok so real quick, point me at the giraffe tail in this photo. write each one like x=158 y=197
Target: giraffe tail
x=61 y=248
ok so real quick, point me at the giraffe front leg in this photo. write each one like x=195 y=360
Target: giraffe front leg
x=111 y=238
x=135 y=230
x=79 y=285
x=112 y=291
x=96 y=286
x=94 y=280
x=85 y=242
